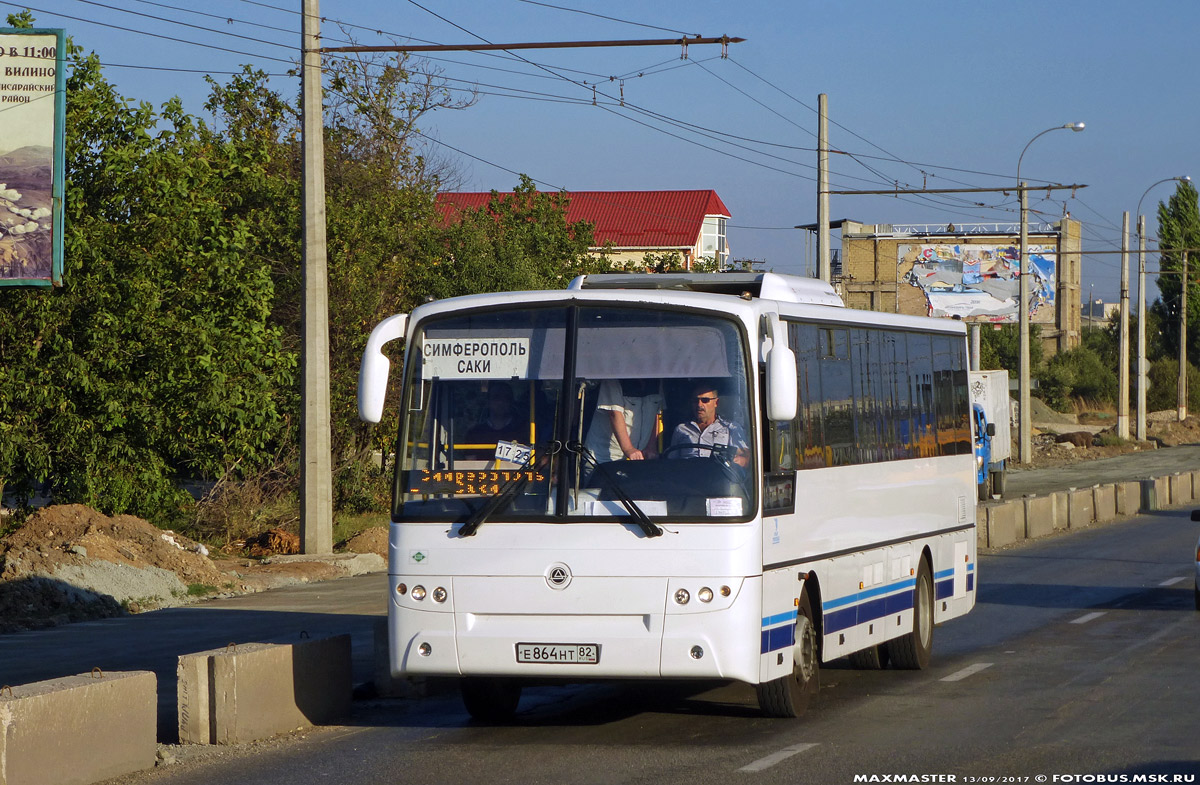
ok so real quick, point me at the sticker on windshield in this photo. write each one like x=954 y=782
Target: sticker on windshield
x=513 y=452
x=724 y=506
x=475 y=358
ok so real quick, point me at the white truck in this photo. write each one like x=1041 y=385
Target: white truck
x=991 y=407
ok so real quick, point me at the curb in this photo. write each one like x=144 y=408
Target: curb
x=1008 y=521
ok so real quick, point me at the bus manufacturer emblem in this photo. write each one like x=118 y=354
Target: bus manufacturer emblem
x=558 y=575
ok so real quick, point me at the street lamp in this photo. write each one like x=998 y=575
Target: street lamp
x=1026 y=425
x=1140 y=431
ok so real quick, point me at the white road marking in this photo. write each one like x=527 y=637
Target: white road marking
x=1088 y=617
x=777 y=757
x=970 y=670
x=1172 y=581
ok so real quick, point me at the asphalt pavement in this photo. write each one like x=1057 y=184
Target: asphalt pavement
x=154 y=640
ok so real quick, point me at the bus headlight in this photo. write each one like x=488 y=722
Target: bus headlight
x=705 y=594
x=439 y=594
x=418 y=593
x=682 y=596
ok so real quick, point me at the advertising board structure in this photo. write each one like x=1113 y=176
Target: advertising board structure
x=32 y=110
x=980 y=282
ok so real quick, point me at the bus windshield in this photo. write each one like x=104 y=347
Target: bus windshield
x=579 y=411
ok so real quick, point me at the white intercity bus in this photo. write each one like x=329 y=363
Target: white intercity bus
x=835 y=518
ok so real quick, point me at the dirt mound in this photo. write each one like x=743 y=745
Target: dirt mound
x=1165 y=428
x=373 y=540
x=70 y=562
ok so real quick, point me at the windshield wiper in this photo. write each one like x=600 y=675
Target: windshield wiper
x=505 y=494
x=643 y=522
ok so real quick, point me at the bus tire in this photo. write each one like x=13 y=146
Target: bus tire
x=789 y=696
x=491 y=699
x=872 y=658
x=912 y=651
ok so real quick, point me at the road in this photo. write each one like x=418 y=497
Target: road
x=1119 y=468
x=1080 y=659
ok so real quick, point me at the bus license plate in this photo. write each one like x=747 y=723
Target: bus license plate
x=559 y=653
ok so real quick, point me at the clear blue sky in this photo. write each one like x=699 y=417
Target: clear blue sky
x=942 y=93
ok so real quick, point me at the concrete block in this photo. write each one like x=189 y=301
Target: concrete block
x=1080 y=508
x=1129 y=498
x=1039 y=516
x=1104 y=503
x=1062 y=509
x=78 y=729
x=1155 y=494
x=1180 y=489
x=252 y=691
x=1005 y=523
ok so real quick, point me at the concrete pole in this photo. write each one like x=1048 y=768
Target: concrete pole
x=823 y=255
x=1140 y=428
x=1123 y=345
x=1181 y=388
x=316 y=472
x=975 y=346
x=1026 y=421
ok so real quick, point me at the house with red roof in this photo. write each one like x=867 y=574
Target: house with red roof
x=635 y=223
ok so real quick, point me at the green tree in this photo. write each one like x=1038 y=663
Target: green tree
x=520 y=241
x=1178 y=229
x=156 y=358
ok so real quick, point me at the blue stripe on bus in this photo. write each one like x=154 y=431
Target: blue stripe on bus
x=779 y=618
x=778 y=638
x=779 y=630
x=869 y=611
x=868 y=606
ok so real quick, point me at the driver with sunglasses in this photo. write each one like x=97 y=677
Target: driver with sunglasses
x=709 y=429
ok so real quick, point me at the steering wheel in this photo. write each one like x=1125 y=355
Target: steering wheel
x=722 y=453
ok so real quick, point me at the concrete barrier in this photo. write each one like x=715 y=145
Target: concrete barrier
x=1080 y=509
x=1104 y=503
x=1062 y=509
x=1180 y=489
x=1129 y=498
x=1004 y=524
x=1156 y=494
x=243 y=693
x=79 y=729
x=1039 y=516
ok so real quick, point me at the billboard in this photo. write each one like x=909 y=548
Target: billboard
x=980 y=282
x=32 y=108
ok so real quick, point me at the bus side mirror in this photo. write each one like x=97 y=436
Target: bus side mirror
x=373 y=373
x=782 y=386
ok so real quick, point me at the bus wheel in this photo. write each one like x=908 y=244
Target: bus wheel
x=912 y=650
x=872 y=658
x=788 y=696
x=491 y=700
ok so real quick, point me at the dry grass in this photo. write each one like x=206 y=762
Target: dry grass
x=239 y=508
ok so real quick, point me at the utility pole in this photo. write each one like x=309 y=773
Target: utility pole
x=316 y=471
x=1123 y=362
x=1181 y=388
x=1025 y=425
x=825 y=272
x=1140 y=428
